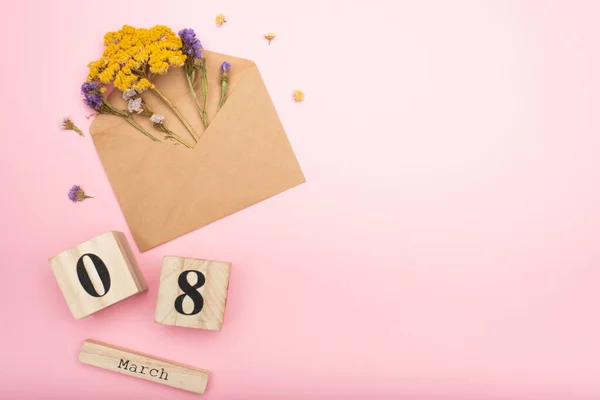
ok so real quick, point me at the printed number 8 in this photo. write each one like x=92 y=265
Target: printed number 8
x=191 y=292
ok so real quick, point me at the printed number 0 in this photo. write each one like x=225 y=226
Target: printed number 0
x=84 y=277
x=191 y=292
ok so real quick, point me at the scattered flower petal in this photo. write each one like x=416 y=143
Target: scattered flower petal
x=157 y=118
x=270 y=36
x=298 y=95
x=68 y=125
x=77 y=194
x=220 y=19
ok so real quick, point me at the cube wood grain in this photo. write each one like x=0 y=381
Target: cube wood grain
x=144 y=366
x=192 y=293
x=97 y=273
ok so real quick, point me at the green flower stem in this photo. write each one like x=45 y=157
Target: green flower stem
x=180 y=140
x=190 y=80
x=223 y=93
x=135 y=125
x=172 y=135
x=110 y=109
x=204 y=94
x=177 y=113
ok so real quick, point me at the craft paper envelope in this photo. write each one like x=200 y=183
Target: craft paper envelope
x=167 y=190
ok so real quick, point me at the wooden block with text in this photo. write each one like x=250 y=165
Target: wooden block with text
x=98 y=273
x=192 y=293
x=144 y=366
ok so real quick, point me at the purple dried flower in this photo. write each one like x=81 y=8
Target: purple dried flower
x=191 y=45
x=73 y=193
x=195 y=62
x=225 y=67
x=89 y=87
x=77 y=194
x=93 y=100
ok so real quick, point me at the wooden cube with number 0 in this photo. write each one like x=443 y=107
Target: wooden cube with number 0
x=192 y=293
x=97 y=273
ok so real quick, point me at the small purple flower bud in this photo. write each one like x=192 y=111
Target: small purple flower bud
x=93 y=101
x=89 y=87
x=225 y=67
x=77 y=194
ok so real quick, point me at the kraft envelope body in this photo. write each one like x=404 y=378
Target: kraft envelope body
x=167 y=190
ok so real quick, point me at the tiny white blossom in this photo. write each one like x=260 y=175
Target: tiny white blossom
x=129 y=94
x=157 y=118
x=64 y=122
x=135 y=105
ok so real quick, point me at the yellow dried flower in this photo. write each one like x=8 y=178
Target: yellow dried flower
x=298 y=95
x=143 y=84
x=220 y=19
x=132 y=55
x=270 y=36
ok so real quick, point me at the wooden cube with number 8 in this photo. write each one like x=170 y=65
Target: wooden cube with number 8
x=98 y=273
x=192 y=293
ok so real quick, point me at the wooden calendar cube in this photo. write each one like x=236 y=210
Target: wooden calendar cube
x=97 y=273
x=192 y=293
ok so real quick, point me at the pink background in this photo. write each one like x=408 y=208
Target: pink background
x=445 y=245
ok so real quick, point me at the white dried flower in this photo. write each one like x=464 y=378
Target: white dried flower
x=157 y=118
x=135 y=105
x=129 y=94
x=65 y=122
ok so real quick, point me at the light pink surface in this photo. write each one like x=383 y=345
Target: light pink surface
x=445 y=245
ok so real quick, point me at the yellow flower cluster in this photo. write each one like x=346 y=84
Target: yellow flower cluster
x=133 y=55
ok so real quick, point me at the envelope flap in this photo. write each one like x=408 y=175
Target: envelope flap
x=248 y=115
